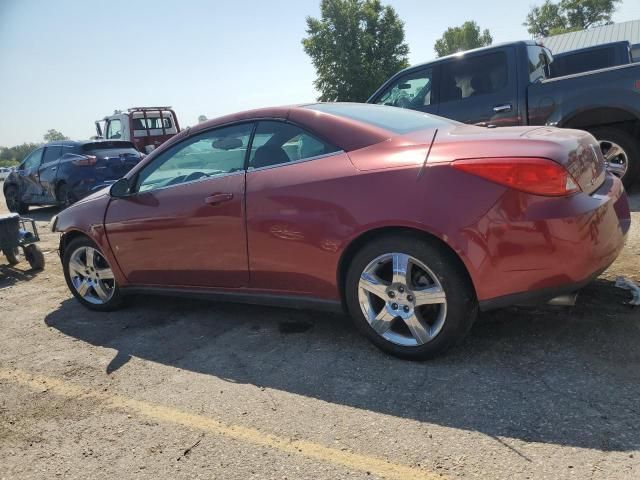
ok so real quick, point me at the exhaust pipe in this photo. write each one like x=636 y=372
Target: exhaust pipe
x=566 y=300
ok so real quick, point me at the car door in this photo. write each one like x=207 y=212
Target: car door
x=183 y=224
x=47 y=171
x=290 y=222
x=415 y=90
x=480 y=89
x=30 y=189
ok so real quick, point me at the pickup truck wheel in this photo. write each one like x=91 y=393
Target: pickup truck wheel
x=621 y=152
x=12 y=195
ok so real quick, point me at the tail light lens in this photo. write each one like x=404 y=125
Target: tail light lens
x=86 y=161
x=539 y=176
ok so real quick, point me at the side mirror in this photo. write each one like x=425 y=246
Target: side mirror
x=120 y=188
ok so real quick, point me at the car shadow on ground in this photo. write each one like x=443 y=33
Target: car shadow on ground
x=543 y=374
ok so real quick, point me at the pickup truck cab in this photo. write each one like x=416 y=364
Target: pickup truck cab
x=510 y=84
x=146 y=127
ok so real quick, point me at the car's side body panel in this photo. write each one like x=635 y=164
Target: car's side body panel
x=172 y=237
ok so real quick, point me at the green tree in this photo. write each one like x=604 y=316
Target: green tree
x=53 y=135
x=568 y=15
x=545 y=20
x=354 y=46
x=464 y=37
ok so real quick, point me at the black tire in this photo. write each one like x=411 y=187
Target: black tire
x=34 y=256
x=117 y=299
x=12 y=256
x=461 y=308
x=14 y=204
x=64 y=196
x=631 y=148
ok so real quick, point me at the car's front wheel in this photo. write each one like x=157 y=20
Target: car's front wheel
x=14 y=204
x=410 y=296
x=90 y=277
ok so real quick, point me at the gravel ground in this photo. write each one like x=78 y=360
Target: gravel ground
x=177 y=388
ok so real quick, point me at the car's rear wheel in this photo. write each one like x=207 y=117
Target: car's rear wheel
x=410 y=296
x=14 y=204
x=64 y=196
x=90 y=277
x=621 y=153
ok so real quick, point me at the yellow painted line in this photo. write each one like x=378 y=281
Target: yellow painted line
x=316 y=451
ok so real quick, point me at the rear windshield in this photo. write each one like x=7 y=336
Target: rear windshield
x=111 y=145
x=153 y=123
x=110 y=148
x=396 y=120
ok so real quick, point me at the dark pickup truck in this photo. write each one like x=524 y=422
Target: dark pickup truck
x=510 y=84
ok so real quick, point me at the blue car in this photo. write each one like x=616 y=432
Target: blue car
x=61 y=173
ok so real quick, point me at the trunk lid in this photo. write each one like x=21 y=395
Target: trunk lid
x=576 y=150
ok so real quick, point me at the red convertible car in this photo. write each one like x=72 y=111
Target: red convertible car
x=408 y=221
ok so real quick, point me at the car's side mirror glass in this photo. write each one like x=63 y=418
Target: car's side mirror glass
x=120 y=188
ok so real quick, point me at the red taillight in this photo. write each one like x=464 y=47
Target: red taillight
x=533 y=175
x=86 y=161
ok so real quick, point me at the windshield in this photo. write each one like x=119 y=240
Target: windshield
x=392 y=119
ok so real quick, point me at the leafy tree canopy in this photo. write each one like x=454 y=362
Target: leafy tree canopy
x=464 y=37
x=355 y=45
x=568 y=15
x=53 y=135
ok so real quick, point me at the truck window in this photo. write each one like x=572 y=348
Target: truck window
x=114 y=130
x=586 y=61
x=409 y=91
x=469 y=77
x=537 y=62
x=151 y=123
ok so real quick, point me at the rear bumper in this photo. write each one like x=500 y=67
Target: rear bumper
x=555 y=246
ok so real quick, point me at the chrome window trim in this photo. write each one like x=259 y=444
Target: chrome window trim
x=302 y=160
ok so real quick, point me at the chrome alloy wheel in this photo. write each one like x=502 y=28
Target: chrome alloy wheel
x=402 y=299
x=615 y=158
x=91 y=275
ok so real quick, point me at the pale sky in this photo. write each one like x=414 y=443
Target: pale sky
x=66 y=63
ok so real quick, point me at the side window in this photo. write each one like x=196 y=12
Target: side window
x=33 y=160
x=52 y=153
x=275 y=143
x=114 y=130
x=536 y=64
x=204 y=155
x=410 y=91
x=470 y=77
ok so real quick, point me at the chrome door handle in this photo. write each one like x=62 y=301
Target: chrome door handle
x=502 y=108
x=218 y=198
